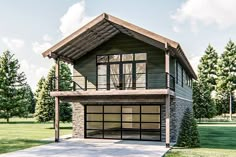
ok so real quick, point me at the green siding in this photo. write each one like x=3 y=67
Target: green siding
x=185 y=91
x=121 y=43
x=86 y=65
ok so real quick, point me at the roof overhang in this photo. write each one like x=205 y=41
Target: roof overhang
x=103 y=28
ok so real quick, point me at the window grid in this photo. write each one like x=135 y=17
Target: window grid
x=101 y=131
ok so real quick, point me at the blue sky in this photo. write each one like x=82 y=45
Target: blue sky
x=28 y=27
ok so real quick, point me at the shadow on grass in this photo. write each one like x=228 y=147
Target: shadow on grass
x=225 y=123
x=62 y=128
x=10 y=145
x=25 y=122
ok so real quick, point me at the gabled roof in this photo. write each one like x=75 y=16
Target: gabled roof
x=103 y=28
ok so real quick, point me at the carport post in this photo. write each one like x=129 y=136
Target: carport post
x=167 y=101
x=57 y=101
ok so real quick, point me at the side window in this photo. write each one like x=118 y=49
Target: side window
x=186 y=79
x=182 y=77
x=177 y=72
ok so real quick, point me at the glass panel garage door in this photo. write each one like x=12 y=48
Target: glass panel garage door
x=138 y=122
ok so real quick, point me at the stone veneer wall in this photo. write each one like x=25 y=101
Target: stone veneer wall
x=78 y=120
x=177 y=112
x=163 y=123
x=173 y=132
x=172 y=122
x=177 y=109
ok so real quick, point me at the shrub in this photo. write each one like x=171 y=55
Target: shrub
x=188 y=135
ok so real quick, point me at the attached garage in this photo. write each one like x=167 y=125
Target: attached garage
x=134 y=122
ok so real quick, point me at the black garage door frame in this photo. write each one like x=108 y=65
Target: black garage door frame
x=102 y=130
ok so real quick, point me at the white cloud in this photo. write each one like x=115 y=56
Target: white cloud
x=194 y=61
x=176 y=29
x=13 y=43
x=40 y=47
x=41 y=72
x=46 y=37
x=207 y=12
x=74 y=18
x=33 y=72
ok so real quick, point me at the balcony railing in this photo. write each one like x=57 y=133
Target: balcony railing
x=115 y=82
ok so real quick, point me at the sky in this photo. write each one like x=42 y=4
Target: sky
x=29 y=27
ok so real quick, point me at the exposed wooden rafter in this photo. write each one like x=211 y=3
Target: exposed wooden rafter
x=100 y=30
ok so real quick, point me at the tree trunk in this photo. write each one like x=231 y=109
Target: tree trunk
x=54 y=123
x=7 y=119
x=230 y=107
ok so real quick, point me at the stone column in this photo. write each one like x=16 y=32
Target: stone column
x=78 y=120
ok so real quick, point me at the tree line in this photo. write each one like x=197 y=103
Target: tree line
x=17 y=98
x=216 y=83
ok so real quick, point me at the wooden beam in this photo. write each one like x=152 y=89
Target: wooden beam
x=57 y=101
x=82 y=39
x=62 y=58
x=95 y=38
x=141 y=37
x=167 y=101
x=93 y=46
x=116 y=100
x=141 y=30
x=110 y=93
x=73 y=35
x=167 y=104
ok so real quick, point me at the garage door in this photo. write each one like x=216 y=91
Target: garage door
x=137 y=122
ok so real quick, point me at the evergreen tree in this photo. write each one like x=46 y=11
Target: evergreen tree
x=39 y=88
x=45 y=103
x=203 y=105
x=226 y=82
x=30 y=100
x=222 y=102
x=207 y=69
x=188 y=135
x=12 y=88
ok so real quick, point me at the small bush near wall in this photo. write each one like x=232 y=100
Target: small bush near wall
x=188 y=135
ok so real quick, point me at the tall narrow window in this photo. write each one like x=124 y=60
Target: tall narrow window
x=177 y=72
x=182 y=76
x=102 y=77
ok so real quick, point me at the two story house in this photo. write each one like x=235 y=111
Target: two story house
x=128 y=82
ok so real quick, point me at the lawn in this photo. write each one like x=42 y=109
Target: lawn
x=25 y=133
x=216 y=141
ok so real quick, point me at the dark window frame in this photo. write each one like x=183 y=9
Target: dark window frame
x=177 y=72
x=140 y=122
x=121 y=62
x=182 y=76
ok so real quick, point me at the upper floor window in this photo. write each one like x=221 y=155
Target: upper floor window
x=182 y=76
x=177 y=72
x=188 y=81
x=121 y=71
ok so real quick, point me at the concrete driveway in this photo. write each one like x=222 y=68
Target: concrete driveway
x=94 y=148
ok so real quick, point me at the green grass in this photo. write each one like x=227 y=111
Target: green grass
x=216 y=141
x=25 y=133
x=220 y=119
